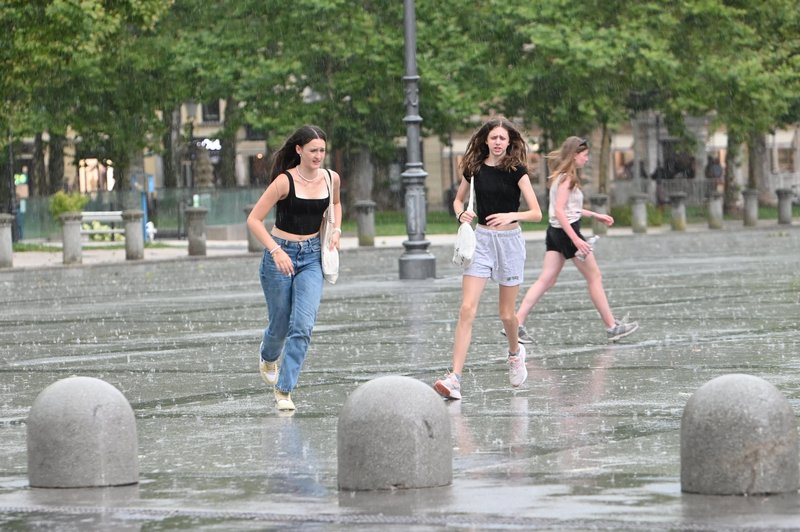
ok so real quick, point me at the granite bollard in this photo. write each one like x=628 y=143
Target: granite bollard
x=678 y=206
x=639 y=212
x=134 y=234
x=738 y=437
x=715 y=211
x=784 y=205
x=254 y=245
x=196 y=230
x=6 y=241
x=71 y=246
x=394 y=432
x=750 y=207
x=365 y=220
x=599 y=203
x=81 y=433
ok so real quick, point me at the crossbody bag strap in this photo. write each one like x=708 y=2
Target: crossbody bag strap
x=471 y=193
x=329 y=181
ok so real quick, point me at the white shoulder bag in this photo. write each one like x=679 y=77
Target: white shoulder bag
x=330 y=257
x=465 y=239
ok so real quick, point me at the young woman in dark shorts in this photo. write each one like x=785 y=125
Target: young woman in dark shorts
x=564 y=239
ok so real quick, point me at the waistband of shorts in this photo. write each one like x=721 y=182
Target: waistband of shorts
x=510 y=233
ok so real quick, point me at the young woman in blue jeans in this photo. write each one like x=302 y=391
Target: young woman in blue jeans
x=291 y=269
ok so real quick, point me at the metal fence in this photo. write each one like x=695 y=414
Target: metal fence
x=165 y=208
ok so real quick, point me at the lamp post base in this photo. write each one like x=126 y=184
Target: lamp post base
x=417 y=265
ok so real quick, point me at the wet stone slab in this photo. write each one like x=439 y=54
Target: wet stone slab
x=591 y=440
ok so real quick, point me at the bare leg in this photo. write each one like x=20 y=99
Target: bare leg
x=594 y=281
x=552 y=264
x=472 y=288
x=508 y=298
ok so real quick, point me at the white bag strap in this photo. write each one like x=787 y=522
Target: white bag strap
x=329 y=181
x=471 y=193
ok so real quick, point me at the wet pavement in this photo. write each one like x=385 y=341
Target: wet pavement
x=590 y=441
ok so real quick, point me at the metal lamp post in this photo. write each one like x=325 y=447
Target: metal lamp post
x=416 y=262
x=191 y=109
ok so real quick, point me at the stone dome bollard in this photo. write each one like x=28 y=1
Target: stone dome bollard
x=394 y=432
x=738 y=437
x=81 y=433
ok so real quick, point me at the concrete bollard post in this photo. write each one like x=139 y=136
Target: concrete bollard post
x=134 y=234
x=599 y=203
x=196 y=229
x=81 y=433
x=6 y=241
x=639 y=212
x=715 y=210
x=750 y=207
x=365 y=219
x=784 y=205
x=71 y=245
x=738 y=437
x=394 y=432
x=677 y=202
x=253 y=244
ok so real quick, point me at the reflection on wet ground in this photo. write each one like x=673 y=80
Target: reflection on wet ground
x=590 y=441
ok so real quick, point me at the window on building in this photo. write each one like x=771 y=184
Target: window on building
x=211 y=111
x=252 y=133
x=785 y=160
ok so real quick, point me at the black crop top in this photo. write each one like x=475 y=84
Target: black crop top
x=496 y=191
x=299 y=216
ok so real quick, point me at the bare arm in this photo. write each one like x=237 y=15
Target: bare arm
x=277 y=190
x=461 y=198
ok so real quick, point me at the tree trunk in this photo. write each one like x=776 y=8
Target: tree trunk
x=171 y=141
x=361 y=175
x=759 y=170
x=7 y=178
x=605 y=150
x=731 y=197
x=38 y=177
x=55 y=163
x=227 y=164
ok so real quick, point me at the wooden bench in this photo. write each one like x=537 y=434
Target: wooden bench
x=112 y=218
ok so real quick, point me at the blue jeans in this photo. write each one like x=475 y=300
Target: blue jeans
x=292 y=304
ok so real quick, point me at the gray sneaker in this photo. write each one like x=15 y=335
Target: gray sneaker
x=621 y=329
x=522 y=335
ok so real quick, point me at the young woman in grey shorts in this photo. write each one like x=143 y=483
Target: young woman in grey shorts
x=495 y=160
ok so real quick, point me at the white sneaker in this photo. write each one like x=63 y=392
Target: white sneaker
x=449 y=387
x=517 y=372
x=283 y=400
x=269 y=371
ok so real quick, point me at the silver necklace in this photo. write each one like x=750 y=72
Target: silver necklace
x=304 y=178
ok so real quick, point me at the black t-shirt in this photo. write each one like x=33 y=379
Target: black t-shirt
x=496 y=191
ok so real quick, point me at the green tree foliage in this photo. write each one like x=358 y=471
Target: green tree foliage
x=104 y=69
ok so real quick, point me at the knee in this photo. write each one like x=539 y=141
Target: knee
x=508 y=317
x=549 y=282
x=467 y=313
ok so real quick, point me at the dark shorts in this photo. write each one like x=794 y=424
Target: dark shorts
x=557 y=240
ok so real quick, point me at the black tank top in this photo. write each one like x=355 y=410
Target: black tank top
x=299 y=216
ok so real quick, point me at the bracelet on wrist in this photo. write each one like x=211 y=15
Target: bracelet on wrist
x=337 y=230
x=458 y=218
x=273 y=250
